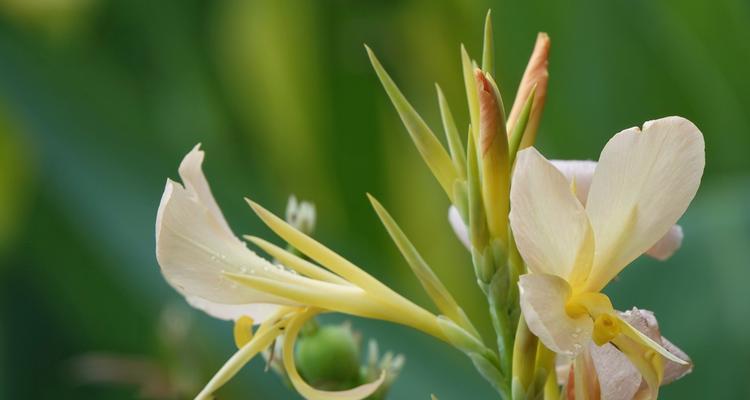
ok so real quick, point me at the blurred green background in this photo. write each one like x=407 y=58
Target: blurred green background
x=99 y=101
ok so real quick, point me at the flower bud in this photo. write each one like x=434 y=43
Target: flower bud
x=536 y=74
x=493 y=150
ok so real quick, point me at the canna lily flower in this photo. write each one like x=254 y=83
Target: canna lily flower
x=616 y=377
x=581 y=172
x=643 y=183
x=203 y=260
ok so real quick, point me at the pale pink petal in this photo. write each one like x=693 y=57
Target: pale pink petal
x=667 y=245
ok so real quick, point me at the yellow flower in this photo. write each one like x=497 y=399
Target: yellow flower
x=201 y=258
x=643 y=183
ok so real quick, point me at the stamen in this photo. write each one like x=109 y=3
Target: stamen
x=606 y=328
x=243 y=331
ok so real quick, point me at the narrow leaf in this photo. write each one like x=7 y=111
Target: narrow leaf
x=429 y=146
x=456 y=147
x=430 y=282
x=516 y=136
x=471 y=92
x=488 y=49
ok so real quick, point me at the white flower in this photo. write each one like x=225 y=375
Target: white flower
x=643 y=183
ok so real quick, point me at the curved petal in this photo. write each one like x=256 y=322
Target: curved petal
x=307 y=391
x=618 y=378
x=642 y=185
x=259 y=312
x=459 y=228
x=195 y=247
x=543 y=300
x=549 y=224
x=582 y=171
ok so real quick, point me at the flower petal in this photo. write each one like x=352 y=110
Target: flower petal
x=549 y=224
x=642 y=185
x=459 y=228
x=618 y=378
x=543 y=300
x=194 y=245
x=302 y=387
x=582 y=171
x=259 y=312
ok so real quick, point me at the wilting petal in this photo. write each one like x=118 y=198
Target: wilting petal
x=194 y=245
x=543 y=300
x=258 y=311
x=549 y=224
x=642 y=185
x=582 y=171
x=459 y=228
x=645 y=322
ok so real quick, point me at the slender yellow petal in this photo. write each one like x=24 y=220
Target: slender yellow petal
x=429 y=146
x=430 y=282
x=549 y=224
x=264 y=338
x=649 y=364
x=307 y=391
x=644 y=340
x=295 y=262
x=346 y=299
x=642 y=185
x=543 y=300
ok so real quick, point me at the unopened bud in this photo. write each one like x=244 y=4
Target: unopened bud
x=493 y=150
x=328 y=357
x=536 y=74
x=301 y=215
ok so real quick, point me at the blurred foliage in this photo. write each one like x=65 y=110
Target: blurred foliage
x=99 y=100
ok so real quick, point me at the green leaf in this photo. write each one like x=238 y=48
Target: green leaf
x=456 y=147
x=471 y=91
x=518 y=131
x=429 y=146
x=488 y=49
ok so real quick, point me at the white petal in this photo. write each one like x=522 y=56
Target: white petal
x=549 y=224
x=642 y=185
x=543 y=299
x=259 y=312
x=459 y=228
x=582 y=172
x=194 y=245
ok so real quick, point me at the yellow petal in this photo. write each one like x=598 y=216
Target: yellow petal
x=646 y=361
x=243 y=331
x=307 y=391
x=543 y=300
x=643 y=339
x=642 y=185
x=194 y=244
x=296 y=263
x=264 y=338
x=549 y=224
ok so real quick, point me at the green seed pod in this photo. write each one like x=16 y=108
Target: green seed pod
x=328 y=357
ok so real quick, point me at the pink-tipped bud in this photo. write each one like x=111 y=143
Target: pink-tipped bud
x=536 y=74
x=490 y=111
